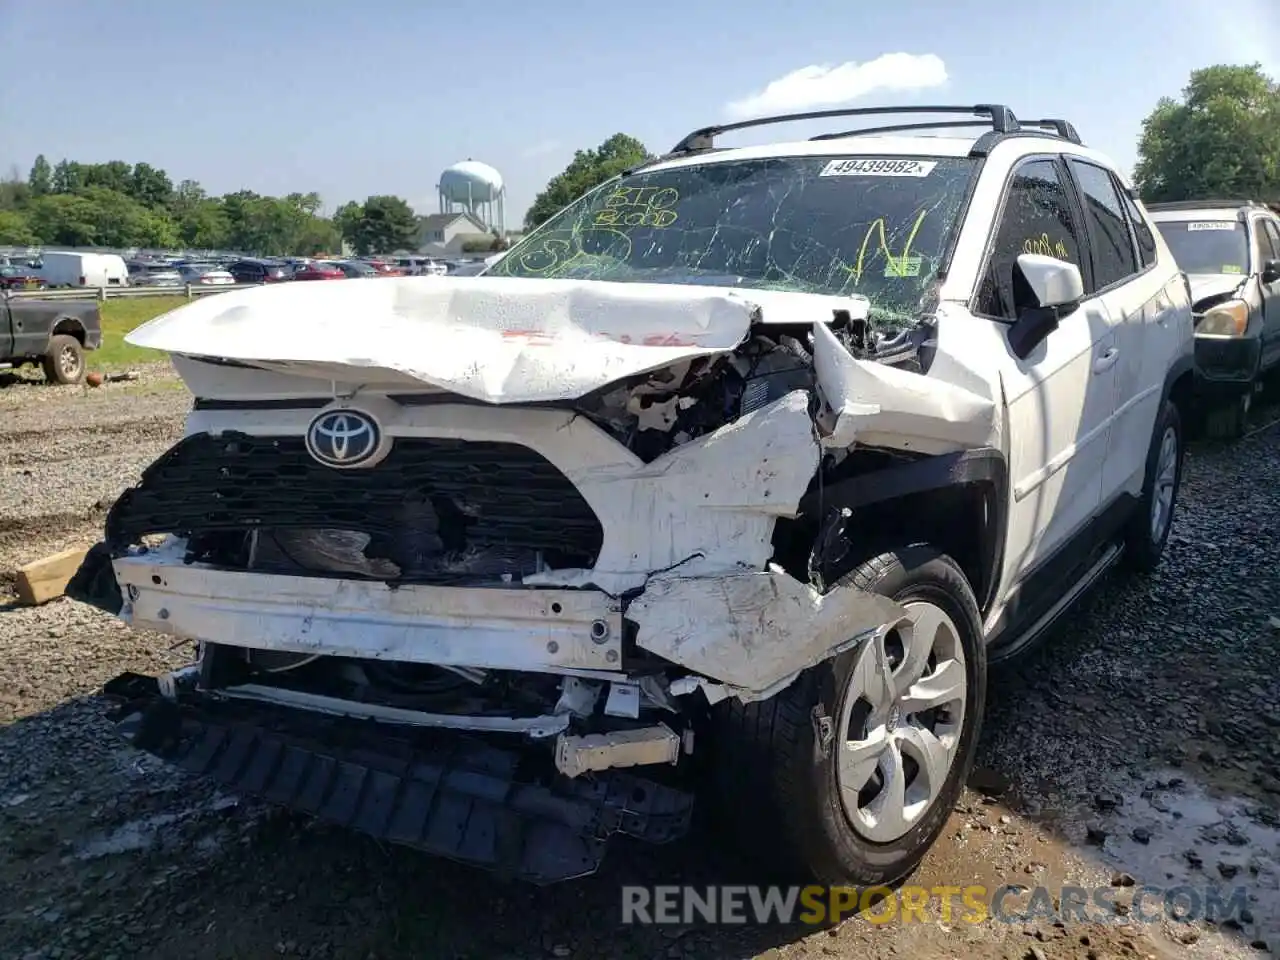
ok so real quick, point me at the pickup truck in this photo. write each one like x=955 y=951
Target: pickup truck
x=53 y=333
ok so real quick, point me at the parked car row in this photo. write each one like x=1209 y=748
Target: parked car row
x=166 y=271
x=60 y=269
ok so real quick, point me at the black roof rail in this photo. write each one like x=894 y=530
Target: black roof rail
x=1062 y=128
x=898 y=127
x=1203 y=204
x=1001 y=120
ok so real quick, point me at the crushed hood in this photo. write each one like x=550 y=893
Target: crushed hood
x=494 y=339
x=1205 y=285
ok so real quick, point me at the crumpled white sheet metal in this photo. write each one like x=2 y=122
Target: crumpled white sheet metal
x=1204 y=286
x=885 y=406
x=494 y=339
x=753 y=632
x=706 y=507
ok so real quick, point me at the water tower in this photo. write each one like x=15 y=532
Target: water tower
x=475 y=188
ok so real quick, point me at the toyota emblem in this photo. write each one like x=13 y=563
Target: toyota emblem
x=344 y=438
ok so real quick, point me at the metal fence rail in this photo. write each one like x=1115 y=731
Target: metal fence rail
x=188 y=290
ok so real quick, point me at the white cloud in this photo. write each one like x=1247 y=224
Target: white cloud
x=824 y=85
x=540 y=149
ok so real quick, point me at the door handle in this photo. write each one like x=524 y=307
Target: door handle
x=1107 y=360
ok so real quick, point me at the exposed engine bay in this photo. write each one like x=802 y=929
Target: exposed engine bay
x=661 y=410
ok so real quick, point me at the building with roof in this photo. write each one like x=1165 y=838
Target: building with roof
x=443 y=234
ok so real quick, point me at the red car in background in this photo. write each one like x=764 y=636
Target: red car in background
x=385 y=269
x=320 y=270
x=13 y=277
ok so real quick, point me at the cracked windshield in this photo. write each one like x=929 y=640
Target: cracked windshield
x=876 y=228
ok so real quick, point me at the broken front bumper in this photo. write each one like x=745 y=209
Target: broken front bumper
x=750 y=633
x=543 y=630
x=442 y=792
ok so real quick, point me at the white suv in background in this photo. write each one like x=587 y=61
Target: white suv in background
x=761 y=454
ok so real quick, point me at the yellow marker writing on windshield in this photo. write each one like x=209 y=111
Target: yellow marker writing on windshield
x=639 y=207
x=896 y=263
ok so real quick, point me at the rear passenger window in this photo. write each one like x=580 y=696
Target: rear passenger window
x=1114 y=258
x=1146 y=239
x=1037 y=218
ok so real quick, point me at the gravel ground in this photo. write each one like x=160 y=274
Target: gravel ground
x=1139 y=747
x=67 y=452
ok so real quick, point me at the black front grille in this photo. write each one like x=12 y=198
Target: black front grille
x=477 y=495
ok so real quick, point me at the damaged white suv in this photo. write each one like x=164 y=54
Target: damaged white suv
x=731 y=478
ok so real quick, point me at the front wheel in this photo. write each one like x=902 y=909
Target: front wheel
x=1229 y=420
x=848 y=776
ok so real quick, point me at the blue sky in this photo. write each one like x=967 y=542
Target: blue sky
x=350 y=99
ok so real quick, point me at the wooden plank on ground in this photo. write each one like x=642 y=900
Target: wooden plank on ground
x=46 y=579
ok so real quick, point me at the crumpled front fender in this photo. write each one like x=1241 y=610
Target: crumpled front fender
x=754 y=632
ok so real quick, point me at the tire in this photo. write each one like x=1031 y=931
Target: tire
x=64 y=361
x=775 y=762
x=1146 y=534
x=1229 y=420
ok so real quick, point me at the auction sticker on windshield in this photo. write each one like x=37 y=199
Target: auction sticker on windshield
x=1212 y=225
x=867 y=167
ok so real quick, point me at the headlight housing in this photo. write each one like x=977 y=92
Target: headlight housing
x=1229 y=319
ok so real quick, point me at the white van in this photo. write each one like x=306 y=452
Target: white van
x=83 y=270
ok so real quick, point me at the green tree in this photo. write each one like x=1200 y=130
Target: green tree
x=114 y=175
x=117 y=204
x=65 y=219
x=384 y=224
x=186 y=197
x=14 y=192
x=150 y=186
x=589 y=168
x=41 y=178
x=15 y=229
x=121 y=221
x=347 y=219
x=204 y=226
x=1221 y=140
x=317 y=235
x=67 y=177
x=97 y=216
x=276 y=225
x=308 y=203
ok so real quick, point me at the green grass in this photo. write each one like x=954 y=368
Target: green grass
x=118 y=318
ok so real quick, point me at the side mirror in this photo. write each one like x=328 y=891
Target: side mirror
x=1271 y=271
x=1051 y=289
x=1053 y=282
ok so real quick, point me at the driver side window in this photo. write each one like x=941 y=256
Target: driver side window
x=1037 y=218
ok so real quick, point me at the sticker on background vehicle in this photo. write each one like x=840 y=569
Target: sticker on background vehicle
x=863 y=167
x=1232 y=268
x=1211 y=225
